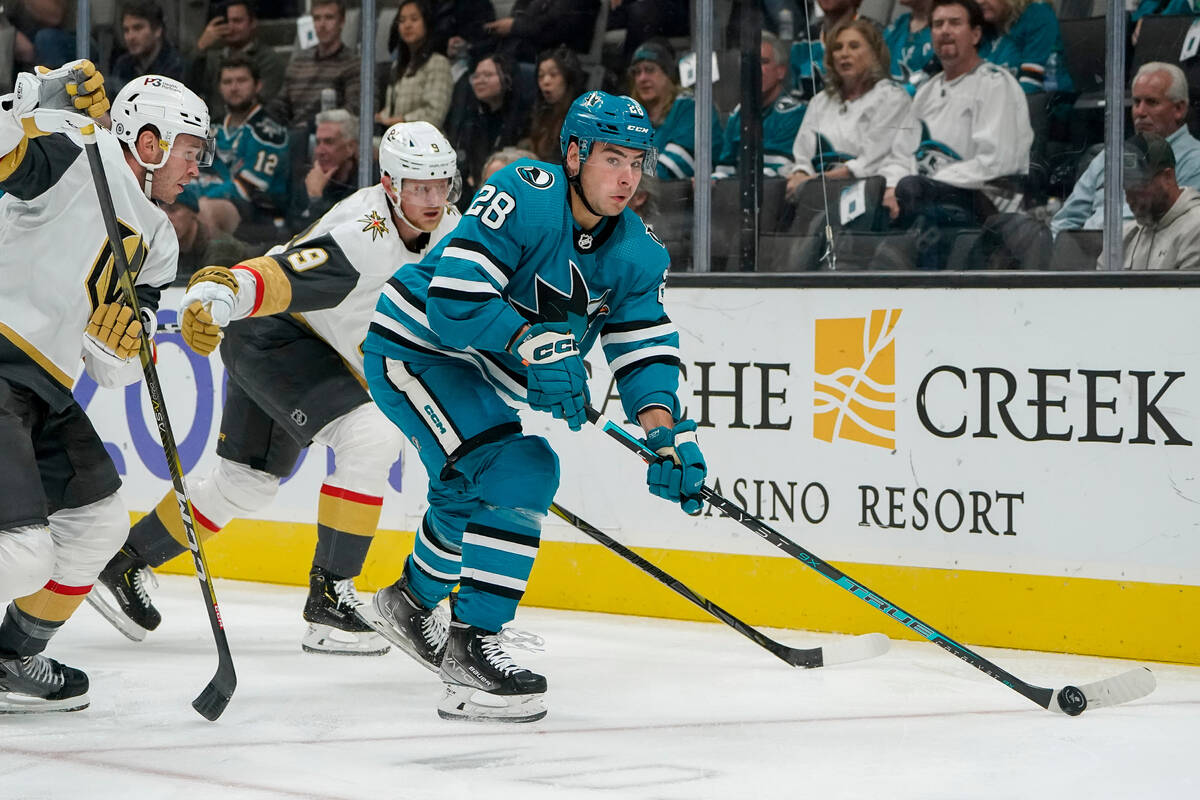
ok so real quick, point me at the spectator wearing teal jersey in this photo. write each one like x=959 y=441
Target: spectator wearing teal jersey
x=654 y=83
x=911 y=46
x=1162 y=8
x=781 y=116
x=1023 y=37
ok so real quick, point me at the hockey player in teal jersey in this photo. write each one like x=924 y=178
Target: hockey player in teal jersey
x=546 y=260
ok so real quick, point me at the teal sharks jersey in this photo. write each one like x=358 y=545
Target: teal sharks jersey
x=518 y=257
x=252 y=163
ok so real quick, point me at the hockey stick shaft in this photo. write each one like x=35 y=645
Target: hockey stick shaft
x=215 y=696
x=793 y=656
x=1040 y=695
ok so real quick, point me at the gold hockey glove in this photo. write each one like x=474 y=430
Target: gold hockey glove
x=115 y=329
x=206 y=307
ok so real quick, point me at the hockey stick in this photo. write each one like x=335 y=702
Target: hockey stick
x=213 y=699
x=1071 y=700
x=857 y=649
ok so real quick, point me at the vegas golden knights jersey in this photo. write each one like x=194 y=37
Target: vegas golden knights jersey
x=56 y=264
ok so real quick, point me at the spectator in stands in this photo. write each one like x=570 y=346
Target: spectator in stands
x=457 y=29
x=781 y=116
x=334 y=174
x=974 y=129
x=490 y=118
x=850 y=126
x=42 y=37
x=329 y=64
x=147 y=49
x=560 y=80
x=419 y=86
x=200 y=245
x=536 y=25
x=1165 y=231
x=654 y=83
x=1163 y=7
x=808 y=51
x=648 y=19
x=501 y=159
x=248 y=180
x=1022 y=36
x=232 y=32
x=911 y=46
x=1160 y=106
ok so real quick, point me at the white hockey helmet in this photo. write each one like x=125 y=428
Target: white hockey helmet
x=419 y=151
x=166 y=105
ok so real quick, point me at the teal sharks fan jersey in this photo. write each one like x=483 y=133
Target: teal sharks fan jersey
x=517 y=257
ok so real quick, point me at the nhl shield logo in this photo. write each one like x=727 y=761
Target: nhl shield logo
x=585 y=241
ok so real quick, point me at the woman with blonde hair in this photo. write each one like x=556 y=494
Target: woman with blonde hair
x=849 y=127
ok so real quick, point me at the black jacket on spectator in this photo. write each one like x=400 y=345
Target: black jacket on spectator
x=463 y=18
x=542 y=24
x=476 y=132
x=125 y=68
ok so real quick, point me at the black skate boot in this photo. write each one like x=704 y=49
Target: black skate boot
x=120 y=595
x=29 y=684
x=335 y=625
x=420 y=632
x=483 y=683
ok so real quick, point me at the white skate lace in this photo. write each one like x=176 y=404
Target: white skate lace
x=38 y=669
x=493 y=651
x=139 y=579
x=522 y=640
x=346 y=596
x=435 y=627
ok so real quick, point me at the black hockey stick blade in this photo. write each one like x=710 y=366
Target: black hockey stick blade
x=843 y=652
x=215 y=696
x=1070 y=700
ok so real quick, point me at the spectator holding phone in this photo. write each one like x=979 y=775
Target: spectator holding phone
x=233 y=29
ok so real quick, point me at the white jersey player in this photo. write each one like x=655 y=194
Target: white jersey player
x=296 y=372
x=60 y=516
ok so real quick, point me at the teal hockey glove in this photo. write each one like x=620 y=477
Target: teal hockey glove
x=555 y=377
x=679 y=472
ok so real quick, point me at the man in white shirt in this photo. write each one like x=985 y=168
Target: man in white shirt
x=972 y=127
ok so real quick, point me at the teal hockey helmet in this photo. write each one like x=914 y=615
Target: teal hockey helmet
x=597 y=116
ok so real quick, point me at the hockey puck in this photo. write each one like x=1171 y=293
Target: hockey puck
x=1072 y=701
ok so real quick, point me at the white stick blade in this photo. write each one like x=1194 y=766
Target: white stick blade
x=1123 y=688
x=860 y=648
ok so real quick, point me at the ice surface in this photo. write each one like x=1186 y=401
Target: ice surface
x=639 y=708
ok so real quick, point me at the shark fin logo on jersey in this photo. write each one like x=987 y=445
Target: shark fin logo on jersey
x=374 y=224
x=576 y=307
x=536 y=177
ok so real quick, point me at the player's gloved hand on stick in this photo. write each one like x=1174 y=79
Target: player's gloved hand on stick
x=679 y=472
x=557 y=380
x=114 y=334
x=206 y=307
x=48 y=101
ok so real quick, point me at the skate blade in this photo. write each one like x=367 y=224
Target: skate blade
x=12 y=703
x=113 y=613
x=328 y=640
x=475 y=705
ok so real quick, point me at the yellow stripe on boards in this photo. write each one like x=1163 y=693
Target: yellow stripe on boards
x=1120 y=619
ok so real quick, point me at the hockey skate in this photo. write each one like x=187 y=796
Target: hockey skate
x=29 y=684
x=416 y=630
x=483 y=683
x=120 y=595
x=335 y=624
